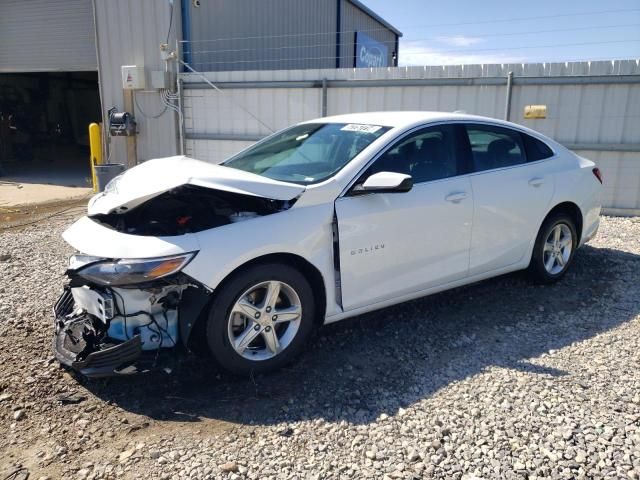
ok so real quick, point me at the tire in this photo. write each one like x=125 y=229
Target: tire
x=243 y=322
x=551 y=259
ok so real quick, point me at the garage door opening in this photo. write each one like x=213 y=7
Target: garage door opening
x=44 y=119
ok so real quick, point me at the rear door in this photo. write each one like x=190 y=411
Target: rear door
x=511 y=195
x=392 y=244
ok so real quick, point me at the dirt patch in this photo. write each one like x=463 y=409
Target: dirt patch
x=14 y=217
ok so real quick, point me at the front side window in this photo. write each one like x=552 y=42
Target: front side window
x=307 y=153
x=495 y=147
x=429 y=154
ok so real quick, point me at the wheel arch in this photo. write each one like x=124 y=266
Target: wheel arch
x=573 y=211
x=306 y=268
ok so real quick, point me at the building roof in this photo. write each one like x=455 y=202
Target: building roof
x=375 y=16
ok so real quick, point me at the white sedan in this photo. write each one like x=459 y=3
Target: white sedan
x=319 y=222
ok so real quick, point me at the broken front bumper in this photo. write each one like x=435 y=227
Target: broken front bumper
x=76 y=346
x=93 y=337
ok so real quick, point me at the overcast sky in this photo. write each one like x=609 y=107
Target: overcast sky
x=470 y=31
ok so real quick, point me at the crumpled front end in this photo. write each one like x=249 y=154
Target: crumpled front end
x=128 y=294
x=80 y=342
x=105 y=330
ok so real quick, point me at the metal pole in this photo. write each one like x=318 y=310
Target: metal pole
x=180 y=115
x=507 y=107
x=338 y=28
x=132 y=150
x=180 y=100
x=106 y=145
x=324 y=97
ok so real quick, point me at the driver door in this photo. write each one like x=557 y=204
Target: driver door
x=394 y=244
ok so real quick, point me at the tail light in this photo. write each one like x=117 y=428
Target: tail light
x=598 y=174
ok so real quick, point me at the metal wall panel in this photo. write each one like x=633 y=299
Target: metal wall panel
x=214 y=151
x=479 y=100
x=354 y=20
x=266 y=34
x=621 y=171
x=591 y=109
x=47 y=36
x=130 y=33
x=235 y=111
x=582 y=114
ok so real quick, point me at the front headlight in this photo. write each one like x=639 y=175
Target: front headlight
x=112 y=185
x=131 y=271
x=77 y=261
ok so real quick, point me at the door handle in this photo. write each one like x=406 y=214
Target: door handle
x=536 y=181
x=456 y=197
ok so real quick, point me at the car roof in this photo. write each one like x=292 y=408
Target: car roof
x=403 y=119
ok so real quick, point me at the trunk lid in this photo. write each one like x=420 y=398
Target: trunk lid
x=154 y=177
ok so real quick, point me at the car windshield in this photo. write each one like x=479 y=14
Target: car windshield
x=308 y=153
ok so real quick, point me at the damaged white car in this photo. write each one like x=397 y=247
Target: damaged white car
x=319 y=222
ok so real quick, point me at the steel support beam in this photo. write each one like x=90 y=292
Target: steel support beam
x=507 y=102
x=419 y=82
x=324 y=97
x=188 y=85
x=604 y=147
x=234 y=137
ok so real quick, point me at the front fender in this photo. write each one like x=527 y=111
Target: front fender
x=305 y=232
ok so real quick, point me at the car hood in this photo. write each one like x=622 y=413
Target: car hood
x=154 y=177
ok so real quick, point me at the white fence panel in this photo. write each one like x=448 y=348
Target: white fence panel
x=214 y=151
x=590 y=106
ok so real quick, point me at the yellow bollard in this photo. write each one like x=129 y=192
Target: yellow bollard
x=95 y=147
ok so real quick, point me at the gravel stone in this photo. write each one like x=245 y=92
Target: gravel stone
x=502 y=379
x=229 y=467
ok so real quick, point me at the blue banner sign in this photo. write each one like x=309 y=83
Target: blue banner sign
x=370 y=53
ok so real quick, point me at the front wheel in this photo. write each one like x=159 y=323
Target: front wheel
x=554 y=249
x=261 y=319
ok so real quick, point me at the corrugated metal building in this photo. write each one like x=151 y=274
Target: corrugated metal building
x=48 y=88
x=47 y=36
x=236 y=35
x=129 y=32
x=60 y=64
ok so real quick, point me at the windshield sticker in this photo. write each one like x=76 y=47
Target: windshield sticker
x=356 y=127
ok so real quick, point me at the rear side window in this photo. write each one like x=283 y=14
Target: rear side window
x=536 y=149
x=495 y=147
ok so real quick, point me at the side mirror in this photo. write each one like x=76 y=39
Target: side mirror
x=384 y=182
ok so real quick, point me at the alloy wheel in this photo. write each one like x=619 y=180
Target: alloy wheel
x=557 y=249
x=264 y=320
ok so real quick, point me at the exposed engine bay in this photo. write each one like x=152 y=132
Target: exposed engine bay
x=189 y=209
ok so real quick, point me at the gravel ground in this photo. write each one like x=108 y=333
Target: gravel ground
x=501 y=379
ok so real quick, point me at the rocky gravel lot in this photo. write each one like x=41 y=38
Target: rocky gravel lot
x=497 y=380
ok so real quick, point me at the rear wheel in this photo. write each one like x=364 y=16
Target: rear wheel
x=554 y=249
x=261 y=319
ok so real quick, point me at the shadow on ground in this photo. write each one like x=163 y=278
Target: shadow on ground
x=379 y=362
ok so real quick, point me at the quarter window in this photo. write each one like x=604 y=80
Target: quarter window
x=536 y=150
x=426 y=155
x=495 y=147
